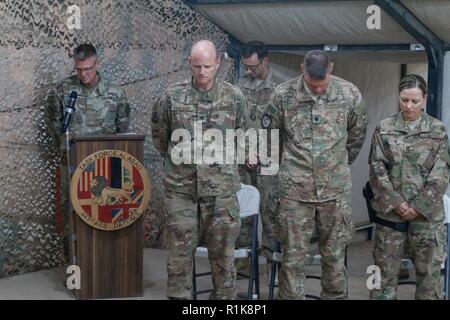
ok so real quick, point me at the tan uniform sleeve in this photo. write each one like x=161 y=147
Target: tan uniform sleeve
x=123 y=114
x=274 y=112
x=357 y=128
x=161 y=124
x=54 y=110
x=385 y=195
x=428 y=202
x=242 y=106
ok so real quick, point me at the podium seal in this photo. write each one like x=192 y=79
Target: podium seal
x=109 y=190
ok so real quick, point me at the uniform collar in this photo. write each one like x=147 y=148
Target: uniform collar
x=100 y=86
x=210 y=95
x=252 y=83
x=304 y=94
x=401 y=125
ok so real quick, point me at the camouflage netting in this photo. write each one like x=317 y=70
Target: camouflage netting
x=142 y=46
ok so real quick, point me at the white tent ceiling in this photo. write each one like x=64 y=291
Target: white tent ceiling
x=324 y=22
x=435 y=14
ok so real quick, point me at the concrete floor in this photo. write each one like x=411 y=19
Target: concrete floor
x=48 y=284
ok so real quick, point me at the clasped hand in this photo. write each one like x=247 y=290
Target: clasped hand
x=406 y=212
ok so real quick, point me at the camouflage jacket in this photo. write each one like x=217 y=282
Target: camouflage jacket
x=321 y=137
x=222 y=108
x=101 y=110
x=257 y=95
x=411 y=166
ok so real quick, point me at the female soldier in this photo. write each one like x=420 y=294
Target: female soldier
x=409 y=173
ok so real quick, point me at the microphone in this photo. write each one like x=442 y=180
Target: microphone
x=68 y=110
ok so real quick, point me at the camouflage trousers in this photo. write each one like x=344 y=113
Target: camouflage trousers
x=211 y=221
x=296 y=225
x=427 y=250
x=267 y=187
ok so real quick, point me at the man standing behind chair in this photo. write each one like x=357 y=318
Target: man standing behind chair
x=201 y=198
x=101 y=108
x=257 y=86
x=324 y=122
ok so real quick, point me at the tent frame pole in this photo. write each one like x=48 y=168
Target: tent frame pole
x=434 y=46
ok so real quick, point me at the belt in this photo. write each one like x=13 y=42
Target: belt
x=397 y=226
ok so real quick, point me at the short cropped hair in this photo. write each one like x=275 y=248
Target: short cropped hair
x=84 y=51
x=317 y=64
x=252 y=47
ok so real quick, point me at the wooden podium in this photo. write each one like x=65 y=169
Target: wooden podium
x=110 y=261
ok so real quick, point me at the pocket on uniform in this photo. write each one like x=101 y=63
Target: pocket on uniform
x=347 y=225
x=298 y=125
x=281 y=218
x=273 y=207
x=183 y=116
x=295 y=131
x=440 y=238
x=334 y=105
x=231 y=205
x=426 y=161
x=394 y=146
x=273 y=212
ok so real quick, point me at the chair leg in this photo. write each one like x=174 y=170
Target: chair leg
x=251 y=277
x=273 y=270
x=370 y=233
x=257 y=274
x=253 y=259
x=194 y=281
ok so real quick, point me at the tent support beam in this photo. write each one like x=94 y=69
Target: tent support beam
x=403 y=70
x=344 y=47
x=434 y=46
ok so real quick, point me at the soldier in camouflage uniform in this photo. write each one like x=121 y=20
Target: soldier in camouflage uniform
x=201 y=198
x=100 y=108
x=257 y=86
x=324 y=121
x=409 y=173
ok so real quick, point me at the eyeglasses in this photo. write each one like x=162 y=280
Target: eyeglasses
x=88 y=69
x=252 y=67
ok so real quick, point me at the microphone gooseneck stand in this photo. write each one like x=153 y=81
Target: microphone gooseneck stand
x=71 y=237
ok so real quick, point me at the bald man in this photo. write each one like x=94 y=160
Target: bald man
x=201 y=198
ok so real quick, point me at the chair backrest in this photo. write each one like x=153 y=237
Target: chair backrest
x=447 y=208
x=248 y=197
